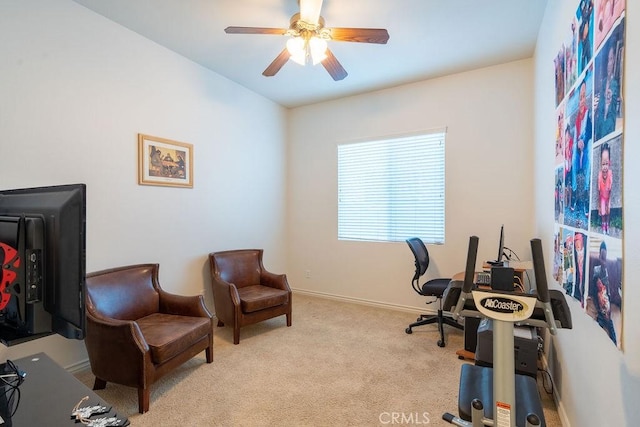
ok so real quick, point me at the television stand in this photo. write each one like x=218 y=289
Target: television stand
x=11 y=336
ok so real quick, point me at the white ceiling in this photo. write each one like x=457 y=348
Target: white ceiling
x=428 y=38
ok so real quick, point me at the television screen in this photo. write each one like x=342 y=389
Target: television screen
x=42 y=249
x=501 y=245
x=498 y=260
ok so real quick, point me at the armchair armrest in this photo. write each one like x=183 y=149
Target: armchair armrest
x=226 y=290
x=225 y=298
x=113 y=343
x=122 y=332
x=278 y=281
x=193 y=306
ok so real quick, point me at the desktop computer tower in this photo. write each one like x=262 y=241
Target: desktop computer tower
x=525 y=343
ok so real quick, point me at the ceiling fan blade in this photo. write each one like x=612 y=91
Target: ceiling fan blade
x=310 y=10
x=277 y=63
x=333 y=67
x=360 y=35
x=255 y=30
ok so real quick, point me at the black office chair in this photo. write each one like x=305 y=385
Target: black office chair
x=432 y=288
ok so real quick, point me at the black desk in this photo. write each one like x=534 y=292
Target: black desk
x=49 y=393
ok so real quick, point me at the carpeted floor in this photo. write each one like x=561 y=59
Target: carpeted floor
x=340 y=364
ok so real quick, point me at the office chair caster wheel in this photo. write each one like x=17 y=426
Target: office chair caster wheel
x=408 y=330
x=440 y=343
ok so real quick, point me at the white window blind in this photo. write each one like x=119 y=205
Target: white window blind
x=392 y=189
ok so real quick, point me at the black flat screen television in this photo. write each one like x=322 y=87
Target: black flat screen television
x=501 y=245
x=42 y=250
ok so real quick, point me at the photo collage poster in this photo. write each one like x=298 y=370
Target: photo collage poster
x=588 y=162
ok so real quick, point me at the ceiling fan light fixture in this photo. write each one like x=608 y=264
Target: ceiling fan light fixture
x=317 y=49
x=297 y=49
x=302 y=48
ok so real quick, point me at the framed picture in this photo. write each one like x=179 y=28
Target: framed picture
x=164 y=162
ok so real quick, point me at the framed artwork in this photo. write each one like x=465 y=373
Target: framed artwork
x=164 y=162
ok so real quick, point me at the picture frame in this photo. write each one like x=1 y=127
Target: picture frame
x=164 y=162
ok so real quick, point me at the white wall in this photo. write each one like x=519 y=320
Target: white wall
x=596 y=384
x=76 y=89
x=489 y=117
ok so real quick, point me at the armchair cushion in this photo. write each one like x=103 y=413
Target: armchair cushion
x=258 y=297
x=167 y=335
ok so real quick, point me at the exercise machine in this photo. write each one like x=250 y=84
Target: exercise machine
x=514 y=398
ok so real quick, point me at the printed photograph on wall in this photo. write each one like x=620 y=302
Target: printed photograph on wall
x=589 y=157
x=580 y=243
x=568 y=262
x=584 y=16
x=560 y=76
x=607 y=99
x=604 y=298
x=559 y=194
x=578 y=146
x=566 y=275
x=557 y=255
x=560 y=134
x=571 y=57
x=606 y=181
x=607 y=13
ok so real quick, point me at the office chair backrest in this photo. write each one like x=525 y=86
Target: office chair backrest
x=421 y=255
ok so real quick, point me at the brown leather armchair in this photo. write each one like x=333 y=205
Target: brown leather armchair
x=136 y=332
x=244 y=292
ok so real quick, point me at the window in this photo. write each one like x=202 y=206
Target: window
x=392 y=189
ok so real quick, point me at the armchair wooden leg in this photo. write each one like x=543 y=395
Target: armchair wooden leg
x=220 y=323
x=143 y=400
x=288 y=319
x=99 y=384
x=236 y=335
x=209 y=353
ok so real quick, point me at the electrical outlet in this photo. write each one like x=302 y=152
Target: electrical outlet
x=307 y=274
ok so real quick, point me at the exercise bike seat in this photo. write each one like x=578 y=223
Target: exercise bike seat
x=476 y=382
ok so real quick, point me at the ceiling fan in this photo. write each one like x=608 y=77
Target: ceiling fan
x=309 y=37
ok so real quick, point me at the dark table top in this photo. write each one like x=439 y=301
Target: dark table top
x=48 y=395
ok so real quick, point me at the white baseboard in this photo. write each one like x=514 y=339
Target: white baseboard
x=370 y=303
x=561 y=412
x=78 y=367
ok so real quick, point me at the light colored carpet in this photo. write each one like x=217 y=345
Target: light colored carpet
x=340 y=364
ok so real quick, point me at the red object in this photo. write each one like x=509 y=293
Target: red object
x=10 y=265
